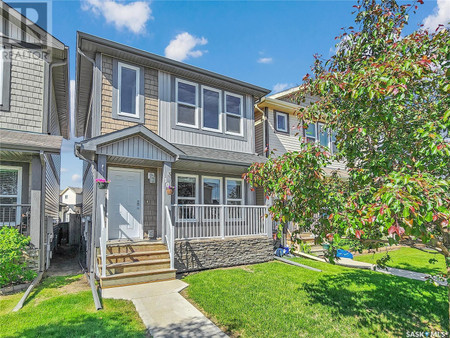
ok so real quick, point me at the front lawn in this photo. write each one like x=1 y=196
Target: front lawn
x=280 y=300
x=63 y=307
x=408 y=259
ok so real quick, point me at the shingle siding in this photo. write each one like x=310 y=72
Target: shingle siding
x=27 y=92
x=108 y=123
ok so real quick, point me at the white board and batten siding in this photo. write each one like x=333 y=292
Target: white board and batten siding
x=135 y=147
x=167 y=111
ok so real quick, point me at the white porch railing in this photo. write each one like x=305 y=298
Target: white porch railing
x=16 y=215
x=103 y=239
x=170 y=236
x=207 y=221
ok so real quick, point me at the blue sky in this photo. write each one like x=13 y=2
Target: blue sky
x=267 y=43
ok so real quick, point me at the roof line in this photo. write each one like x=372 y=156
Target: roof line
x=167 y=61
x=284 y=92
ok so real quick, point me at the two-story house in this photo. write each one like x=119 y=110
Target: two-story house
x=70 y=202
x=174 y=141
x=34 y=117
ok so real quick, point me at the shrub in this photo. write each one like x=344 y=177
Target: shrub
x=13 y=257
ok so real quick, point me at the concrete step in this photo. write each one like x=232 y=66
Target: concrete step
x=139 y=277
x=136 y=256
x=149 y=265
x=127 y=247
x=317 y=249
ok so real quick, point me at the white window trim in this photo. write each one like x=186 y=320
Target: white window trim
x=177 y=176
x=316 y=138
x=278 y=113
x=19 y=189
x=121 y=65
x=220 y=186
x=177 y=80
x=242 y=199
x=203 y=107
x=232 y=114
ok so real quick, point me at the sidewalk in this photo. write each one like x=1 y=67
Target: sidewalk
x=164 y=311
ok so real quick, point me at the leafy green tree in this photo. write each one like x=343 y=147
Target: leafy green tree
x=385 y=94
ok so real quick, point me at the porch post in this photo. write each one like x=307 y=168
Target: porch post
x=166 y=180
x=35 y=199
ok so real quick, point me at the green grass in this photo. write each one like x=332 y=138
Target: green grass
x=280 y=300
x=408 y=259
x=63 y=307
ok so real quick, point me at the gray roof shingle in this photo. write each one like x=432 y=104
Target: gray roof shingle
x=20 y=140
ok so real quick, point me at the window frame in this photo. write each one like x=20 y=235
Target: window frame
x=202 y=87
x=286 y=115
x=220 y=186
x=18 y=196
x=177 y=176
x=319 y=124
x=315 y=129
x=178 y=80
x=137 y=69
x=242 y=199
x=241 y=116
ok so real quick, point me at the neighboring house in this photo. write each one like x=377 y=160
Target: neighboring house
x=174 y=141
x=70 y=202
x=278 y=129
x=34 y=117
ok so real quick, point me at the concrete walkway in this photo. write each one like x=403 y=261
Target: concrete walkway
x=164 y=311
x=350 y=263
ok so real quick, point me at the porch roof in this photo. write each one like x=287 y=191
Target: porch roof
x=135 y=142
x=27 y=141
x=218 y=155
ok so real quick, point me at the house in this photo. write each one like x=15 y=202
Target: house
x=173 y=140
x=34 y=118
x=70 y=200
x=277 y=128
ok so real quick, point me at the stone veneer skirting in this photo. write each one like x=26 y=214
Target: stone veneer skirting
x=199 y=254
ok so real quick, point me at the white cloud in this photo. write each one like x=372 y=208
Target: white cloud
x=183 y=46
x=441 y=15
x=76 y=178
x=132 y=16
x=279 y=87
x=64 y=170
x=265 y=60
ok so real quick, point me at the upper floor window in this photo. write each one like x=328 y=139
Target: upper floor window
x=281 y=122
x=211 y=103
x=311 y=133
x=233 y=111
x=186 y=96
x=128 y=84
x=317 y=133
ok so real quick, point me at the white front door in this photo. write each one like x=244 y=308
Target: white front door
x=125 y=211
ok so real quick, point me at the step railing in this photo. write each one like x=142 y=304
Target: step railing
x=103 y=238
x=170 y=237
x=208 y=221
x=16 y=215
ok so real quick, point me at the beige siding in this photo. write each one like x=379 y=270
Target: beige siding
x=281 y=143
x=108 y=123
x=27 y=91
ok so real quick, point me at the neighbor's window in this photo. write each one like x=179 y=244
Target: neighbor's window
x=10 y=195
x=186 y=96
x=211 y=103
x=66 y=197
x=128 y=84
x=212 y=190
x=281 y=122
x=233 y=110
x=310 y=133
x=235 y=195
x=324 y=137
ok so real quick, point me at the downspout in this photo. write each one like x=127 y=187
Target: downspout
x=92 y=61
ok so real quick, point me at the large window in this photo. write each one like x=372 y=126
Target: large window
x=212 y=190
x=10 y=194
x=128 y=84
x=324 y=137
x=186 y=189
x=317 y=133
x=281 y=122
x=211 y=103
x=186 y=96
x=234 y=192
x=233 y=111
